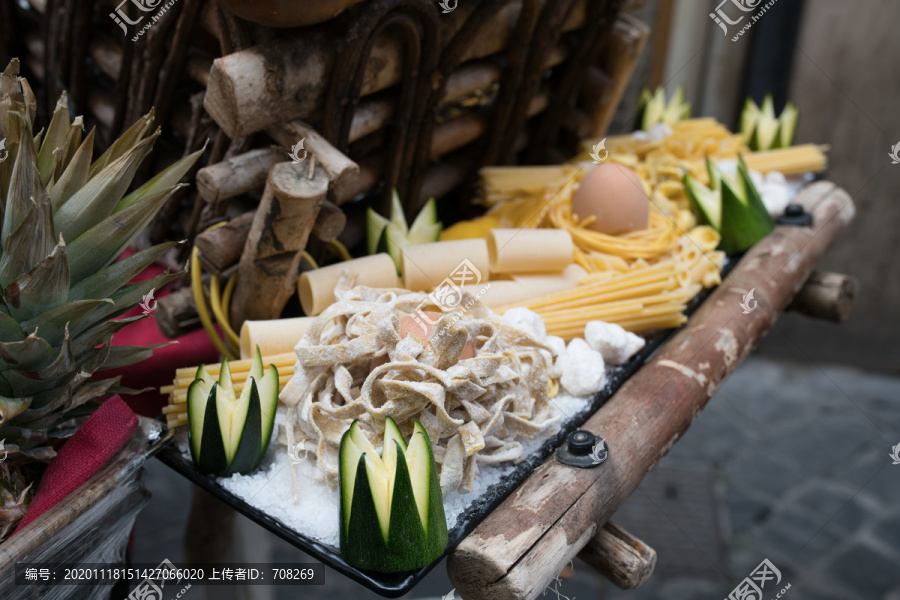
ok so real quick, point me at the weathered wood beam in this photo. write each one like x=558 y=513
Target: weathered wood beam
x=520 y=547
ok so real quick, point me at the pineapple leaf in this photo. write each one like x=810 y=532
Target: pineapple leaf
x=165 y=180
x=75 y=175
x=28 y=99
x=67 y=151
x=130 y=296
x=9 y=328
x=55 y=138
x=97 y=199
x=108 y=281
x=100 y=334
x=53 y=322
x=63 y=364
x=105 y=241
x=24 y=184
x=122 y=356
x=30 y=243
x=126 y=142
x=44 y=286
x=11 y=408
x=31 y=353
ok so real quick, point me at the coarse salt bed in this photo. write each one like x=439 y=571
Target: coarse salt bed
x=317 y=512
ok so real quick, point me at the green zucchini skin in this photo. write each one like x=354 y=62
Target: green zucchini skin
x=745 y=219
x=408 y=545
x=247 y=456
x=212 y=448
x=207 y=442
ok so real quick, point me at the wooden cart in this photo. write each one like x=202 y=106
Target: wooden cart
x=447 y=96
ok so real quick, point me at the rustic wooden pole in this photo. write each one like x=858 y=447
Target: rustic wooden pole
x=337 y=165
x=520 y=547
x=619 y=556
x=629 y=38
x=270 y=262
x=827 y=296
x=253 y=89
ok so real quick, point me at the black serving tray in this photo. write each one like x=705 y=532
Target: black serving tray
x=392 y=585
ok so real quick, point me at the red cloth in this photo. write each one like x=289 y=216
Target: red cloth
x=95 y=442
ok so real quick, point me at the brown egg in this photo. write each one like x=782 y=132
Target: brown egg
x=410 y=325
x=614 y=194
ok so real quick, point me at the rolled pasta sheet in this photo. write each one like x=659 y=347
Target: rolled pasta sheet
x=316 y=287
x=530 y=250
x=277 y=336
x=428 y=266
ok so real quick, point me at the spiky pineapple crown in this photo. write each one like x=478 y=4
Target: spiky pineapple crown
x=65 y=220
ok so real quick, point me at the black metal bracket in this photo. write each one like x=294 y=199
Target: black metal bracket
x=796 y=215
x=583 y=449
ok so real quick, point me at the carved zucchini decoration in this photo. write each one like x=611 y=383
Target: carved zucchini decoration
x=230 y=433
x=733 y=207
x=392 y=510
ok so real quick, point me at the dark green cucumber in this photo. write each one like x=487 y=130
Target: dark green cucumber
x=415 y=531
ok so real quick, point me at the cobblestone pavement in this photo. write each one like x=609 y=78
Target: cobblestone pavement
x=788 y=462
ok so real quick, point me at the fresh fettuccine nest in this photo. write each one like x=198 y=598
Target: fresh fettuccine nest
x=475 y=410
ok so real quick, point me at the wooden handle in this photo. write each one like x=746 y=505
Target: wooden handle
x=520 y=547
x=619 y=556
x=827 y=296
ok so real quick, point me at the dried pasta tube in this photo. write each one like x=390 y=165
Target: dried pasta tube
x=316 y=287
x=277 y=336
x=530 y=250
x=526 y=287
x=462 y=262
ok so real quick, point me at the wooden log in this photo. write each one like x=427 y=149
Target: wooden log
x=270 y=262
x=237 y=175
x=286 y=78
x=176 y=313
x=520 y=547
x=330 y=222
x=337 y=165
x=106 y=54
x=619 y=556
x=629 y=38
x=374 y=114
x=221 y=247
x=827 y=296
